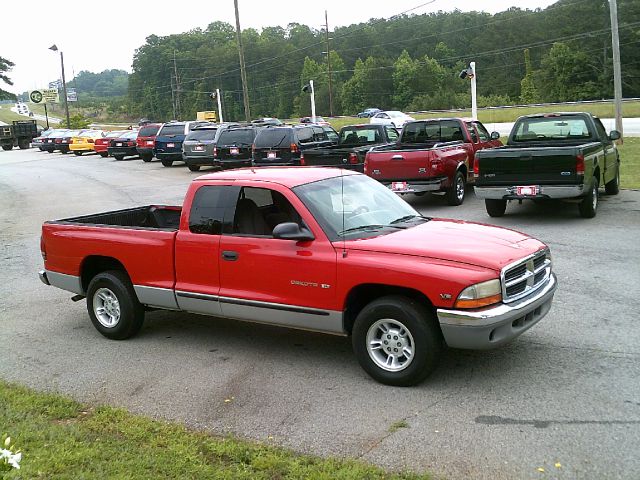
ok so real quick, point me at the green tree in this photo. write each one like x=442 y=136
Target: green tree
x=5 y=66
x=528 y=91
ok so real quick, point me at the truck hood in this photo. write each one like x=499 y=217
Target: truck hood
x=454 y=240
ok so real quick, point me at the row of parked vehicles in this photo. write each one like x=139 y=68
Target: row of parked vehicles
x=566 y=156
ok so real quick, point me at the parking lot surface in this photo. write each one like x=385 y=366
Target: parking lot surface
x=566 y=392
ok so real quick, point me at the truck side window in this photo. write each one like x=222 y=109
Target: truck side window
x=482 y=132
x=259 y=210
x=207 y=210
x=392 y=134
x=472 y=132
x=602 y=133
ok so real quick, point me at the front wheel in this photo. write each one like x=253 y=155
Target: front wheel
x=397 y=341
x=613 y=187
x=167 y=163
x=589 y=204
x=113 y=306
x=455 y=193
x=495 y=208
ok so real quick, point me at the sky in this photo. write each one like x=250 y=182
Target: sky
x=104 y=35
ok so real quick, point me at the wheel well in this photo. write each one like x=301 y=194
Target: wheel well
x=463 y=168
x=596 y=173
x=364 y=294
x=95 y=264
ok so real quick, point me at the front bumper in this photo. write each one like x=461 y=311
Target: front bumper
x=545 y=192
x=43 y=277
x=494 y=326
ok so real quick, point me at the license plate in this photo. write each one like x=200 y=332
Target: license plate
x=271 y=154
x=527 y=190
x=118 y=144
x=235 y=151
x=400 y=187
x=199 y=148
x=171 y=145
x=149 y=142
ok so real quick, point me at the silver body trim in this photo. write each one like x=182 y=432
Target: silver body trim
x=546 y=191
x=156 y=297
x=70 y=283
x=494 y=326
x=199 y=303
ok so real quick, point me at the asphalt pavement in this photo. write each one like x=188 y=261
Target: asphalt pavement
x=566 y=392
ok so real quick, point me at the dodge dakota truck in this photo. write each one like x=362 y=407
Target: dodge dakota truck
x=322 y=249
x=353 y=144
x=431 y=156
x=554 y=155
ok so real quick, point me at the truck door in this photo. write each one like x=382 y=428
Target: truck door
x=198 y=250
x=610 y=159
x=268 y=280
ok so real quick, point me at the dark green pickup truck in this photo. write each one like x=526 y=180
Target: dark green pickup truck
x=554 y=155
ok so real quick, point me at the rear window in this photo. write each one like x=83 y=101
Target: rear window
x=425 y=132
x=130 y=135
x=359 y=136
x=149 y=131
x=208 y=134
x=273 y=138
x=551 y=128
x=242 y=137
x=305 y=135
x=172 y=130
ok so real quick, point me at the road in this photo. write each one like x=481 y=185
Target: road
x=567 y=391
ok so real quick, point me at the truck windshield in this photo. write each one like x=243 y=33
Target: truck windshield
x=551 y=128
x=355 y=206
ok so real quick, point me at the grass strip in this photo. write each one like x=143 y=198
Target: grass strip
x=63 y=439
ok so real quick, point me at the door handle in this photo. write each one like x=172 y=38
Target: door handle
x=230 y=255
x=397 y=157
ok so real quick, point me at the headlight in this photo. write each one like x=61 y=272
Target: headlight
x=480 y=295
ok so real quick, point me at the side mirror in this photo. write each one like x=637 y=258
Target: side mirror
x=292 y=231
x=614 y=135
x=495 y=135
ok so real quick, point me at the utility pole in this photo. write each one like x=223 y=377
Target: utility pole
x=177 y=103
x=173 y=98
x=243 y=73
x=326 y=25
x=54 y=48
x=313 y=102
x=617 y=74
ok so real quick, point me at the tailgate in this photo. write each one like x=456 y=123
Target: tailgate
x=401 y=164
x=509 y=166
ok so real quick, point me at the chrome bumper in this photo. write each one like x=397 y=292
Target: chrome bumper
x=546 y=191
x=416 y=186
x=43 y=277
x=494 y=326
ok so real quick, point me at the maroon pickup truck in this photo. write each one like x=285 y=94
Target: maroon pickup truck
x=431 y=156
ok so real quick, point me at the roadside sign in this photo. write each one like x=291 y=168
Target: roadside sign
x=44 y=95
x=72 y=96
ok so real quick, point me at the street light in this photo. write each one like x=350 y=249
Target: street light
x=470 y=73
x=308 y=88
x=64 y=84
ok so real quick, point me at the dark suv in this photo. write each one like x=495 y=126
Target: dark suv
x=233 y=146
x=283 y=145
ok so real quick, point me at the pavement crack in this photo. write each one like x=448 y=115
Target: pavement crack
x=497 y=420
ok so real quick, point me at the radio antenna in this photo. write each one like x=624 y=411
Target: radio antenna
x=344 y=247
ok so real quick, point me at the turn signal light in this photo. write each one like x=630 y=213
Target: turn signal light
x=294 y=148
x=480 y=295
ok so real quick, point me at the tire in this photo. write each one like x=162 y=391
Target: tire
x=113 y=306
x=118 y=157
x=194 y=168
x=589 y=204
x=397 y=314
x=613 y=187
x=104 y=154
x=146 y=158
x=78 y=154
x=7 y=147
x=420 y=194
x=456 y=193
x=167 y=163
x=495 y=208
x=23 y=144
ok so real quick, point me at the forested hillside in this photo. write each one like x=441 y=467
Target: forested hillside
x=408 y=62
x=110 y=83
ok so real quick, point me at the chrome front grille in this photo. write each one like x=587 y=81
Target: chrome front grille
x=525 y=276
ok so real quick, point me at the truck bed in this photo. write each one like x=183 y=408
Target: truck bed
x=162 y=217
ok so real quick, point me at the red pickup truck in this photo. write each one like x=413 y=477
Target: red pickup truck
x=431 y=156
x=319 y=249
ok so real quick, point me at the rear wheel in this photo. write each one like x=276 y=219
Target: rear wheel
x=495 y=208
x=167 y=163
x=397 y=340
x=104 y=154
x=455 y=194
x=146 y=157
x=589 y=204
x=23 y=144
x=7 y=147
x=77 y=153
x=613 y=187
x=118 y=157
x=194 y=168
x=113 y=306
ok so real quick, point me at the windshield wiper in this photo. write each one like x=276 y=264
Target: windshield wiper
x=371 y=228
x=409 y=217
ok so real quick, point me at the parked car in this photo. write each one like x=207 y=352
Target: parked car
x=319 y=121
x=368 y=112
x=431 y=156
x=49 y=142
x=101 y=145
x=313 y=248
x=169 y=140
x=554 y=155
x=63 y=142
x=391 y=117
x=261 y=122
x=124 y=145
x=233 y=146
x=85 y=142
x=284 y=145
x=146 y=140
x=353 y=144
x=39 y=141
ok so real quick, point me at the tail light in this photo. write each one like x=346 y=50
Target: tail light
x=302 y=160
x=43 y=250
x=151 y=142
x=366 y=164
x=139 y=142
x=294 y=148
x=476 y=167
x=353 y=158
x=131 y=144
x=215 y=151
x=580 y=164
